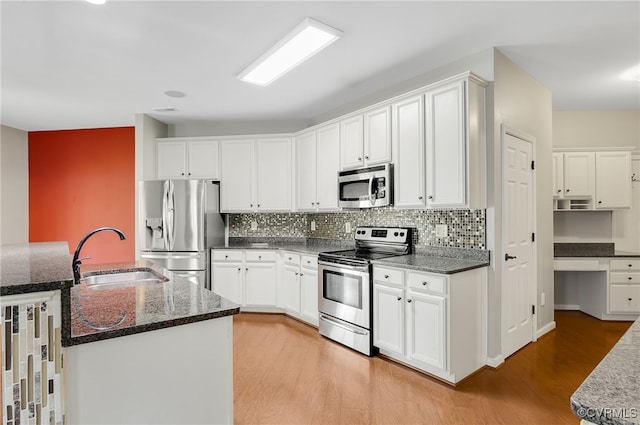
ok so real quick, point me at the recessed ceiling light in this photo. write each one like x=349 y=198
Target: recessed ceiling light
x=632 y=73
x=166 y=109
x=304 y=41
x=96 y=1
x=175 y=93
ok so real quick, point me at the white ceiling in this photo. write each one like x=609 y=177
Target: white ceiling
x=76 y=65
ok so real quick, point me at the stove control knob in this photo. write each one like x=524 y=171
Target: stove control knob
x=402 y=234
x=395 y=233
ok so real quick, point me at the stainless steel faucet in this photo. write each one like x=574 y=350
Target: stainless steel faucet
x=77 y=261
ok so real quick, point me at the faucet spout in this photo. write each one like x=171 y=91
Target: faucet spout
x=76 y=256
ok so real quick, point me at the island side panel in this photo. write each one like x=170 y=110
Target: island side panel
x=182 y=374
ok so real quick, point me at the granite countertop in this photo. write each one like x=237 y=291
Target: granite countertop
x=98 y=314
x=585 y=249
x=35 y=267
x=312 y=246
x=611 y=393
x=439 y=260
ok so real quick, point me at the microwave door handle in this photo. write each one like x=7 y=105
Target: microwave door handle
x=371 y=200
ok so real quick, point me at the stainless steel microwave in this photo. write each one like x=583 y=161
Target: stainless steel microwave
x=366 y=187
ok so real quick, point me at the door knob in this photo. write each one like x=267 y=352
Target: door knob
x=508 y=257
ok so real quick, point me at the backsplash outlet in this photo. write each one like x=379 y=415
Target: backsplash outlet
x=466 y=228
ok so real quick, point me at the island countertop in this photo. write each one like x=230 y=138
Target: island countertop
x=35 y=267
x=611 y=393
x=110 y=312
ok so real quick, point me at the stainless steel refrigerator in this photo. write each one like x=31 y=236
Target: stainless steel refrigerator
x=180 y=222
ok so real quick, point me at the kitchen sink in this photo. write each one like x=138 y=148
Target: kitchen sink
x=119 y=278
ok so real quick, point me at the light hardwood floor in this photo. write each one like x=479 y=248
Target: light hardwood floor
x=286 y=373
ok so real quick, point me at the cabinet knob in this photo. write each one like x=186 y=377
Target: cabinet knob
x=308 y=262
x=239 y=269
x=559 y=190
x=301 y=274
x=189 y=173
x=630 y=299
x=599 y=202
x=246 y=269
x=182 y=174
x=297 y=273
x=430 y=197
x=366 y=157
x=226 y=256
x=630 y=278
x=425 y=283
x=359 y=158
x=386 y=276
x=399 y=298
x=259 y=257
x=630 y=265
x=567 y=190
x=409 y=301
x=420 y=197
x=251 y=205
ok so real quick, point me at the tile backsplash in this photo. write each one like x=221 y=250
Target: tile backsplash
x=465 y=228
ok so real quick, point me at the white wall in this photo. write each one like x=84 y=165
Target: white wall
x=233 y=128
x=596 y=129
x=525 y=105
x=14 y=186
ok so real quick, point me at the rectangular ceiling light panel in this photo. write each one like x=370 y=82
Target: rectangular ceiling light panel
x=304 y=41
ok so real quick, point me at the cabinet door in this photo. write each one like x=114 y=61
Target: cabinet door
x=351 y=143
x=388 y=318
x=260 y=284
x=309 y=295
x=426 y=329
x=408 y=153
x=579 y=174
x=328 y=165
x=204 y=159
x=613 y=180
x=291 y=278
x=172 y=159
x=226 y=280
x=377 y=136
x=557 y=166
x=306 y=171
x=236 y=179
x=446 y=146
x=274 y=176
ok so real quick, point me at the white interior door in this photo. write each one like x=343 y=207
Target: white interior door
x=518 y=269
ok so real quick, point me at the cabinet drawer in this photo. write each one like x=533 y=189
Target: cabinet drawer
x=227 y=255
x=309 y=261
x=390 y=276
x=291 y=258
x=261 y=256
x=427 y=282
x=622 y=277
x=624 y=298
x=628 y=264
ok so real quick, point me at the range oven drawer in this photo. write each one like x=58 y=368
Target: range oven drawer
x=345 y=333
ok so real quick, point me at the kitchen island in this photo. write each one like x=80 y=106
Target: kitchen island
x=164 y=360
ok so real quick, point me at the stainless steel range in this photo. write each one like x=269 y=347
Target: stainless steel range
x=345 y=285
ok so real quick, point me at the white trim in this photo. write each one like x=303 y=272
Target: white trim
x=546 y=329
x=494 y=362
x=566 y=307
x=601 y=149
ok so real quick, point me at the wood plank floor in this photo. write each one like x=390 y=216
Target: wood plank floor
x=286 y=373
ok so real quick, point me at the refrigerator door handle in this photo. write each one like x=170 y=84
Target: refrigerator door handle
x=171 y=215
x=165 y=209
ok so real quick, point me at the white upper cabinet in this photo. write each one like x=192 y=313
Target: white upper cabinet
x=188 y=159
x=366 y=139
x=317 y=165
x=408 y=151
x=377 y=136
x=351 y=142
x=456 y=145
x=237 y=176
x=557 y=166
x=613 y=180
x=274 y=174
x=579 y=174
x=256 y=175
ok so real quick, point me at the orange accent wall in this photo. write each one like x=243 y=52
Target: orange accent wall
x=80 y=180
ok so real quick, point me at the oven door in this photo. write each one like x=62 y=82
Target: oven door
x=344 y=293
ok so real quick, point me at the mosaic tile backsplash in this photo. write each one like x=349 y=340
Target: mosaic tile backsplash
x=31 y=360
x=465 y=228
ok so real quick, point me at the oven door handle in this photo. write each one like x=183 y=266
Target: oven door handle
x=340 y=325
x=339 y=267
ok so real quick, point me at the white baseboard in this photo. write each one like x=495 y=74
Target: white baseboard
x=494 y=362
x=545 y=329
x=566 y=307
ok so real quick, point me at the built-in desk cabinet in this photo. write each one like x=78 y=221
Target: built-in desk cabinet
x=433 y=322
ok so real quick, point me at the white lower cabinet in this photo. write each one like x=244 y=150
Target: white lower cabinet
x=300 y=279
x=434 y=323
x=248 y=278
x=624 y=286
